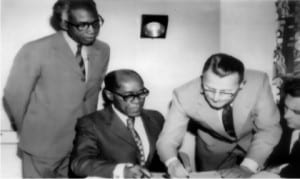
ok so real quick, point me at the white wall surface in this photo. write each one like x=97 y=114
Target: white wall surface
x=197 y=28
x=248 y=31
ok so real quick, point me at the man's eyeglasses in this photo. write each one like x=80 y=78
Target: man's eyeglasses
x=142 y=94
x=222 y=93
x=82 y=26
x=286 y=108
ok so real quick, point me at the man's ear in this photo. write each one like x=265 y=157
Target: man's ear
x=64 y=18
x=109 y=95
x=64 y=25
x=242 y=84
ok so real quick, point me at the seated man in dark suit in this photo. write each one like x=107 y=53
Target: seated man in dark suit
x=119 y=140
x=285 y=159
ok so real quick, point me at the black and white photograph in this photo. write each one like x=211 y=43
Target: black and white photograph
x=150 y=89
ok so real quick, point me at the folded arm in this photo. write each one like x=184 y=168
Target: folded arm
x=85 y=159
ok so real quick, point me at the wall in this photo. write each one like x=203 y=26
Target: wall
x=192 y=35
x=248 y=31
x=197 y=28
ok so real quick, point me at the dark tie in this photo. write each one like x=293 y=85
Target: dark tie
x=227 y=119
x=137 y=139
x=80 y=61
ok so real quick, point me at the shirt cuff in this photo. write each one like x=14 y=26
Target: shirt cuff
x=118 y=172
x=250 y=164
x=283 y=166
x=170 y=160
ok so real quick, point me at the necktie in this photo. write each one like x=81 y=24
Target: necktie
x=137 y=139
x=227 y=119
x=80 y=60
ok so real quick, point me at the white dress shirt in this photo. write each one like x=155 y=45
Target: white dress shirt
x=140 y=129
x=295 y=137
x=73 y=46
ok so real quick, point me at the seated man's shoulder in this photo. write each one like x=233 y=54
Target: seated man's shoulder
x=93 y=117
x=155 y=116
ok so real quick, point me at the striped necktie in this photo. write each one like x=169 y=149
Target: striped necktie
x=137 y=139
x=80 y=61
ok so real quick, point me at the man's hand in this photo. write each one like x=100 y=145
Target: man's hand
x=136 y=171
x=236 y=172
x=176 y=170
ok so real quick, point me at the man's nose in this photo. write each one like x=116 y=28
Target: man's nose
x=216 y=96
x=287 y=113
x=91 y=29
x=136 y=100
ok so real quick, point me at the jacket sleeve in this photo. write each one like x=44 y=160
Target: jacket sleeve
x=21 y=82
x=267 y=130
x=85 y=160
x=173 y=131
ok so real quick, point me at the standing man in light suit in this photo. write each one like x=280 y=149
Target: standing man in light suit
x=54 y=81
x=235 y=117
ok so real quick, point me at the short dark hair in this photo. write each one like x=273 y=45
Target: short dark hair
x=56 y=18
x=292 y=87
x=223 y=65
x=111 y=81
x=62 y=6
x=89 y=5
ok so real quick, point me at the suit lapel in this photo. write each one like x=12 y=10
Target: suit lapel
x=150 y=134
x=119 y=129
x=93 y=55
x=63 y=49
x=242 y=106
x=211 y=118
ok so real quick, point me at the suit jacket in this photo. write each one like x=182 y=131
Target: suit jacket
x=282 y=155
x=45 y=93
x=102 y=141
x=255 y=116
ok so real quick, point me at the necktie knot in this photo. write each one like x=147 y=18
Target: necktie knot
x=78 y=52
x=130 y=122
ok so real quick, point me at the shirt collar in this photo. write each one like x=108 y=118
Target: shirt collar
x=122 y=116
x=296 y=132
x=73 y=45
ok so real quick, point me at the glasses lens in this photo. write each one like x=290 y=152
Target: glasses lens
x=82 y=26
x=96 y=24
x=132 y=97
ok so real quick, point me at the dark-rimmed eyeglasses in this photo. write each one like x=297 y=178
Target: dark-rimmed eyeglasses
x=82 y=26
x=142 y=94
x=286 y=108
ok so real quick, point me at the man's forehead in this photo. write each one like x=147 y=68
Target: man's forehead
x=82 y=14
x=128 y=81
